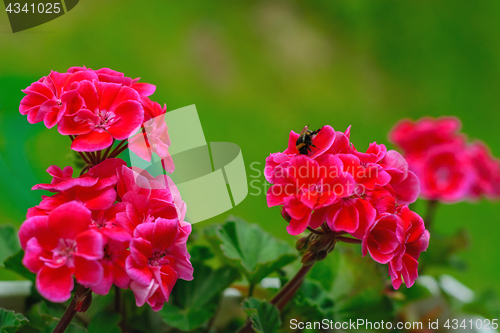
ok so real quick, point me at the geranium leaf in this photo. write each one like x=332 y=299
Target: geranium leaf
x=265 y=316
x=9 y=242
x=10 y=321
x=194 y=302
x=15 y=264
x=105 y=322
x=258 y=252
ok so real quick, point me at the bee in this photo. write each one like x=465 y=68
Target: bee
x=304 y=142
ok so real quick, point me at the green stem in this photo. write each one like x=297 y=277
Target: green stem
x=251 y=287
x=71 y=310
x=284 y=295
x=431 y=212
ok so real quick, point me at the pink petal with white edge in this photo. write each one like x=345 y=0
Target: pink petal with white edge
x=55 y=284
x=408 y=190
x=33 y=254
x=141 y=250
x=395 y=165
x=38 y=227
x=164 y=234
x=139 y=273
x=143 y=292
x=90 y=245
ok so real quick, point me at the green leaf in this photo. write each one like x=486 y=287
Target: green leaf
x=443 y=250
x=72 y=328
x=354 y=283
x=43 y=317
x=313 y=301
x=105 y=322
x=15 y=264
x=9 y=242
x=258 y=252
x=194 y=302
x=10 y=321
x=265 y=316
x=39 y=316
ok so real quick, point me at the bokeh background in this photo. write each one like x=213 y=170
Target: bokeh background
x=258 y=69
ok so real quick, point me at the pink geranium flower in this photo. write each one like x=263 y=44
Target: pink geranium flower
x=112 y=111
x=404 y=266
x=113 y=264
x=322 y=141
x=446 y=173
x=448 y=168
x=404 y=183
x=486 y=171
x=112 y=76
x=60 y=246
x=153 y=136
x=416 y=138
x=307 y=184
x=158 y=257
x=384 y=239
x=53 y=96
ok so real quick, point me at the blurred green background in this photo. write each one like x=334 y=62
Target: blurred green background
x=258 y=69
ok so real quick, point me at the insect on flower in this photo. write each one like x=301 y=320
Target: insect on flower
x=304 y=142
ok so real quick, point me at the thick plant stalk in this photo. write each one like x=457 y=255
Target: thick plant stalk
x=290 y=288
x=284 y=295
x=76 y=303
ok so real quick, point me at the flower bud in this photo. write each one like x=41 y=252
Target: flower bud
x=83 y=302
x=309 y=258
x=321 y=255
x=315 y=244
x=301 y=243
x=285 y=215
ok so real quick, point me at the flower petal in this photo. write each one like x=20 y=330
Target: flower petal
x=55 y=284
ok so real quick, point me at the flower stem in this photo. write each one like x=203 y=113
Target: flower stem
x=284 y=295
x=108 y=150
x=119 y=149
x=431 y=212
x=71 y=310
x=348 y=240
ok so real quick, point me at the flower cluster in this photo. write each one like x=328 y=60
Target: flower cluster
x=364 y=194
x=96 y=106
x=449 y=168
x=112 y=225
